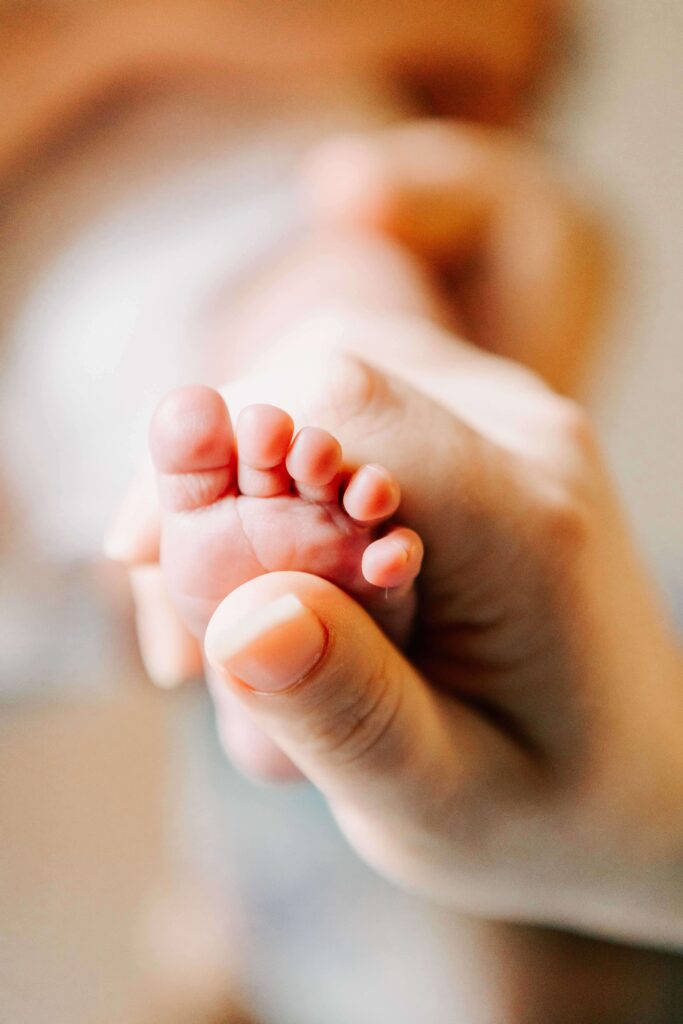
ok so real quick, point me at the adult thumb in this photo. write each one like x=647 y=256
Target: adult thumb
x=322 y=680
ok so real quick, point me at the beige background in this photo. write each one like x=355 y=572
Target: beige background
x=619 y=119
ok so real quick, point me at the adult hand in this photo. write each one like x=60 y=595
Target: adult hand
x=536 y=735
x=525 y=760
x=521 y=255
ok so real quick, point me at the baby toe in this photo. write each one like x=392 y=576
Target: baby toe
x=191 y=443
x=372 y=494
x=314 y=461
x=394 y=560
x=264 y=433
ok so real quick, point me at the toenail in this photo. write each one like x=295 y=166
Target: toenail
x=363 y=494
x=402 y=549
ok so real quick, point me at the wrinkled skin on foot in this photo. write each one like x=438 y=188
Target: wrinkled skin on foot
x=238 y=504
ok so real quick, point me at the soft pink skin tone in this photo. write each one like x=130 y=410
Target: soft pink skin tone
x=237 y=504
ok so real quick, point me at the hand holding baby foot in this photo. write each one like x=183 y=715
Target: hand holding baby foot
x=236 y=505
x=536 y=729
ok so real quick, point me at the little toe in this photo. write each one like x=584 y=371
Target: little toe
x=264 y=433
x=191 y=443
x=314 y=461
x=372 y=494
x=393 y=561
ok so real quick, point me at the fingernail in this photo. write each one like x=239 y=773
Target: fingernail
x=270 y=649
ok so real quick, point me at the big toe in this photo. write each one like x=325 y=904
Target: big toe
x=191 y=443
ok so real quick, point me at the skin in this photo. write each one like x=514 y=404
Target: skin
x=525 y=265
x=533 y=737
x=239 y=503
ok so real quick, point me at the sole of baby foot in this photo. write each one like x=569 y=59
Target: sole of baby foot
x=239 y=502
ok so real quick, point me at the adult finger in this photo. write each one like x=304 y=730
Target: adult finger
x=526 y=260
x=133 y=535
x=170 y=654
x=320 y=678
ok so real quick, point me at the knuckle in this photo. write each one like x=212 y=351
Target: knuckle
x=355 y=388
x=575 y=465
x=325 y=342
x=565 y=518
x=357 y=731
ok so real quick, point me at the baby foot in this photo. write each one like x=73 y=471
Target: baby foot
x=238 y=504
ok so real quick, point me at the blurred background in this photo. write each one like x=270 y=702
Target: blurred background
x=148 y=154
